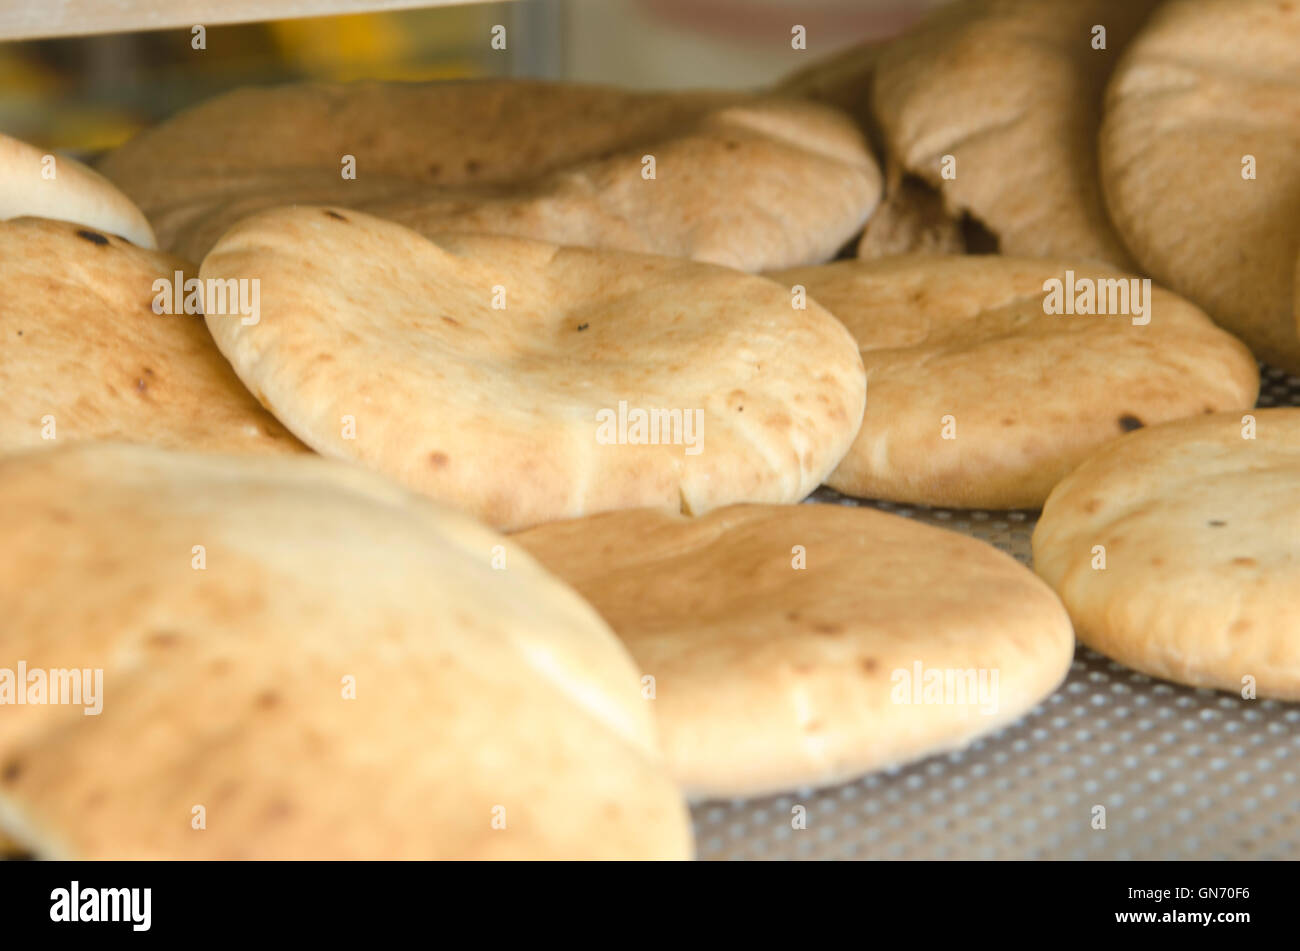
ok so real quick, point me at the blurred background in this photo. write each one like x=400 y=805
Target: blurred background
x=83 y=75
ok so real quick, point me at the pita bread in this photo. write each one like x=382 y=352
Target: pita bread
x=1206 y=85
x=843 y=80
x=744 y=181
x=1012 y=90
x=74 y=193
x=228 y=687
x=9 y=848
x=1029 y=394
x=378 y=345
x=1200 y=533
x=769 y=677
x=910 y=219
x=84 y=356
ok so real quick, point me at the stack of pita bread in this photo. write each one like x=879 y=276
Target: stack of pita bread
x=276 y=376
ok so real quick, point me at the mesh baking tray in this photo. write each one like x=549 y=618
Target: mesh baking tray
x=1182 y=773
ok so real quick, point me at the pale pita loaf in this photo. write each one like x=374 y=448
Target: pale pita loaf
x=45 y=185
x=769 y=676
x=978 y=398
x=84 y=356
x=1012 y=91
x=349 y=676
x=1208 y=87
x=1177 y=551
x=378 y=345
x=750 y=182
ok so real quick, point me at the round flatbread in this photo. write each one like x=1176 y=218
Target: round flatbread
x=1177 y=551
x=300 y=660
x=84 y=354
x=794 y=646
x=1200 y=157
x=739 y=180
x=524 y=382
x=978 y=397
x=1010 y=91
x=45 y=185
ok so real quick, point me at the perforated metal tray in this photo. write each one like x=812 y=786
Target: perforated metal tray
x=1182 y=773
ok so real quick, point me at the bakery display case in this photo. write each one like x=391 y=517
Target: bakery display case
x=834 y=230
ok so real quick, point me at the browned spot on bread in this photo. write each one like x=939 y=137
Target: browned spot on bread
x=1128 y=422
x=268 y=700
x=828 y=627
x=1091 y=506
x=163 y=639
x=279 y=809
x=582 y=327
x=438 y=459
x=435 y=170
x=1215 y=523
x=471 y=166
x=868 y=665
x=335 y=214
x=1245 y=562
x=12 y=770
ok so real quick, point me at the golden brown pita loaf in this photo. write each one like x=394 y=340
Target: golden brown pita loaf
x=1200 y=157
x=978 y=398
x=1011 y=90
x=739 y=180
x=84 y=356
x=784 y=641
x=843 y=80
x=1177 y=551
x=910 y=219
x=41 y=184
x=346 y=674
x=378 y=345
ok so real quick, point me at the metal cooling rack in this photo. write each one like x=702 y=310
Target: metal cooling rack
x=1183 y=773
